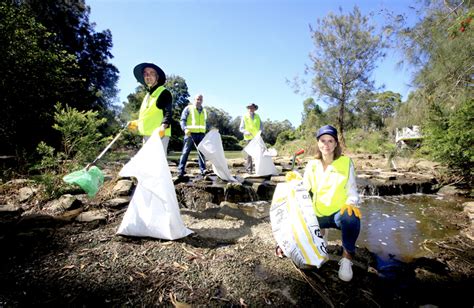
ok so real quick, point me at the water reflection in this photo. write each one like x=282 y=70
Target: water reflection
x=396 y=226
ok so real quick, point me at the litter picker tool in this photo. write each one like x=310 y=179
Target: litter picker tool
x=91 y=177
x=301 y=151
x=106 y=148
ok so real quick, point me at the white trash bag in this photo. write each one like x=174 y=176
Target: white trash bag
x=261 y=156
x=211 y=147
x=295 y=225
x=153 y=210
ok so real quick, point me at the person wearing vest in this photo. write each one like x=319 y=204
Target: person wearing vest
x=250 y=125
x=331 y=182
x=156 y=108
x=194 y=124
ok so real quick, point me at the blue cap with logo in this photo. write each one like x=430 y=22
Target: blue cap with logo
x=327 y=130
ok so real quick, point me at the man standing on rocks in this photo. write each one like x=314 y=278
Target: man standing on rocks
x=156 y=109
x=250 y=125
x=194 y=124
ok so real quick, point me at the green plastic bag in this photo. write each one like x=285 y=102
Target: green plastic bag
x=89 y=180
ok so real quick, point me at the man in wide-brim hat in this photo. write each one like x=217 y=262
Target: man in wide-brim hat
x=156 y=109
x=250 y=125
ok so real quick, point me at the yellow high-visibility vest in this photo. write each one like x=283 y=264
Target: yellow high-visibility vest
x=251 y=125
x=150 y=116
x=196 y=121
x=328 y=188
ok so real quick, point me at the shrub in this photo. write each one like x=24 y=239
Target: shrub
x=450 y=136
x=360 y=141
x=81 y=142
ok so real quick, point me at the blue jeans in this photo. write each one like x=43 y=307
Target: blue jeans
x=349 y=226
x=187 y=146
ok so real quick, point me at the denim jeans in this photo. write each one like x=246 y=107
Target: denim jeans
x=188 y=144
x=349 y=226
x=248 y=161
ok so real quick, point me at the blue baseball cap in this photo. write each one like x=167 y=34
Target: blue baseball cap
x=327 y=130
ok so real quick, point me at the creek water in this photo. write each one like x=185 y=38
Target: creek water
x=395 y=227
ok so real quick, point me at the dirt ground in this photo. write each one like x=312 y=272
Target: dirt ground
x=228 y=261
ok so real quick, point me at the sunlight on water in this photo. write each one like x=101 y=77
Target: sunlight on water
x=396 y=225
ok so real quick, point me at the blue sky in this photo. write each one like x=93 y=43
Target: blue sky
x=234 y=52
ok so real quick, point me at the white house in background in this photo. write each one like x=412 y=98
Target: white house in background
x=408 y=135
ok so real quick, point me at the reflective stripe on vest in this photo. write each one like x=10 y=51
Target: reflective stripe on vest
x=150 y=116
x=196 y=121
x=329 y=188
x=251 y=125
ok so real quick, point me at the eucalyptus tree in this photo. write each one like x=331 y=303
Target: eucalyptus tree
x=347 y=48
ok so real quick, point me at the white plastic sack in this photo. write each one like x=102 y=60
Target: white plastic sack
x=153 y=210
x=295 y=225
x=261 y=157
x=211 y=147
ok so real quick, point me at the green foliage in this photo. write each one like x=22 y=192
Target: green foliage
x=462 y=24
x=230 y=143
x=360 y=141
x=81 y=142
x=271 y=130
x=450 y=137
x=444 y=81
x=313 y=118
x=347 y=50
x=220 y=119
x=285 y=136
x=50 y=53
x=81 y=139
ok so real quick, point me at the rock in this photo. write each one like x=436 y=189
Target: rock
x=236 y=192
x=25 y=193
x=278 y=178
x=92 y=215
x=10 y=208
x=59 y=206
x=469 y=210
x=70 y=215
x=117 y=202
x=451 y=190
x=122 y=188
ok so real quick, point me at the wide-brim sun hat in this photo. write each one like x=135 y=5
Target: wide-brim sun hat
x=327 y=130
x=138 y=72
x=252 y=105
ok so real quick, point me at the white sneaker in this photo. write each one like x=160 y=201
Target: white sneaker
x=345 y=269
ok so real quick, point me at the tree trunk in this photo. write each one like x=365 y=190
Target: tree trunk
x=340 y=123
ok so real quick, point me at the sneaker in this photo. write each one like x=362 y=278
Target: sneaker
x=345 y=269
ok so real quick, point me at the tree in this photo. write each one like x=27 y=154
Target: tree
x=50 y=53
x=440 y=46
x=93 y=79
x=32 y=73
x=220 y=119
x=373 y=109
x=347 y=49
x=386 y=103
x=271 y=130
x=313 y=117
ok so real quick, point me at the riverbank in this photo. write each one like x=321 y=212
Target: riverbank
x=228 y=261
